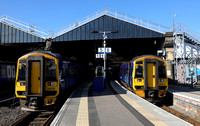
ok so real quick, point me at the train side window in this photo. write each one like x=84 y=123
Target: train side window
x=22 y=72
x=51 y=72
x=138 y=71
x=3 y=71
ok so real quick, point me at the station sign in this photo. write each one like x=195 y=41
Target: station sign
x=101 y=50
x=99 y=55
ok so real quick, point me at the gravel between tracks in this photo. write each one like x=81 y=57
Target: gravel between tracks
x=9 y=115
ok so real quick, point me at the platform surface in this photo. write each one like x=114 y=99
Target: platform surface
x=115 y=106
x=185 y=93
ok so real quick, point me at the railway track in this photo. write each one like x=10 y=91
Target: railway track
x=186 y=118
x=35 y=119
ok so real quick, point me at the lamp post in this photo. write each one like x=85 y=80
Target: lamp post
x=104 y=46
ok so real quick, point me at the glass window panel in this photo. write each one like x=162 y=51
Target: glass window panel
x=36 y=39
x=110 y=23
x=148 y=33
x=143 y=33
x=114 y=28
x=124 y=29
x=83 y=32
x=10 y=34
x=138 y=31
x=91 y=27
x=74 y=34
x=78 y=33
x=2 y=33
x=133 y=31
x=14 y=35
x=87 y=32
x=105 y=23
x=96 y=28
x=128 y=25
x=29 y=38
x=101 y=25
x=109 y=26
x=65 y=37
x=57 y=39
x=153 y=34
x=70 y=35
x=25 y=37
x=21 y=36
x=6 y=33
x=119 y=29
x=17 y=36
x=61 y=37
x=33 y=38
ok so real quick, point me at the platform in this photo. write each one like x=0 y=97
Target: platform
x=186 y=100
x=185 y=93
x=115 y=106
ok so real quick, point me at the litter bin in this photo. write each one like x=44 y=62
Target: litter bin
x=98 y=84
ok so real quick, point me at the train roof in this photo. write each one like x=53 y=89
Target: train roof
x=44 y=52
x=135 y=58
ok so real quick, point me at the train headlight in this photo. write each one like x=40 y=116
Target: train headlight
x=50 y=83
x=161 y=80
x=22 y=84
x=139 y=80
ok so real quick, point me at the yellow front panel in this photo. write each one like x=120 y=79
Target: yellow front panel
x=35 y=77
x=151 y=74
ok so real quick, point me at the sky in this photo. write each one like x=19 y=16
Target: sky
x=53 y=15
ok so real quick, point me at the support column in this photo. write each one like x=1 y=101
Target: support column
x=169 y=52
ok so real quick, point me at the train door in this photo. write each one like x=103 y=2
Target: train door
x=35 y=77
x=151 y=74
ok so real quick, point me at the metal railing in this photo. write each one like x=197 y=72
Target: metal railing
x=190 y=32
x=32 y=29
x=116 y=14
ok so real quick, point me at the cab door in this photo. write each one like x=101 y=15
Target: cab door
x=151 y=75
x=35 y=77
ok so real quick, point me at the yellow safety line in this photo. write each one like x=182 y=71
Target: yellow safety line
x=144 y=112
x=82 y=117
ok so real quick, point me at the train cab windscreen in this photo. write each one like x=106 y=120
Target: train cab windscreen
x=51 y=70
x=22 y=72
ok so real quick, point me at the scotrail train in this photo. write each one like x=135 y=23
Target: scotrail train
x=146 y=76
x=42 y=77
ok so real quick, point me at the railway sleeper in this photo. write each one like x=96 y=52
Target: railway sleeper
x=40 y=119
x=36 y=123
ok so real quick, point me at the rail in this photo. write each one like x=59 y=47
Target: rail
x=25 y=26
x=116 y=14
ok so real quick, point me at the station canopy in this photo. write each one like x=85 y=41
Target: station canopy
x=126 y=26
